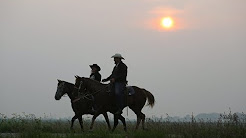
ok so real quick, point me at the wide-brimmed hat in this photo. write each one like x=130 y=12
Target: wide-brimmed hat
x=117 y=55
x=96 y=66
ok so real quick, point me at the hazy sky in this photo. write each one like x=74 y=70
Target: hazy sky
x=197 y=66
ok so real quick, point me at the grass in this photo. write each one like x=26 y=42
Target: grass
x=227 y=126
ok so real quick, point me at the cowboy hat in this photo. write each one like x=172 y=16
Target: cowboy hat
x=117 y=55
x=96 y=66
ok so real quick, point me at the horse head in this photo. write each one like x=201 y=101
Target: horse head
x=78 y=79
x=63 y=87
x=87 y=85
x=80 y=83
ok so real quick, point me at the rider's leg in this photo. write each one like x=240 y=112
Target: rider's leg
x=119 y=93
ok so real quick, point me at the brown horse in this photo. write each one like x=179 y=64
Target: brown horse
x=135 y=102
x=80 y=106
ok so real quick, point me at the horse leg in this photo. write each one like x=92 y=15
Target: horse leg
x=138 y=122
x=107 y=120
x=122 y=119
x=81 y=123
x=72 y=121
x=140 y=117
x=116 y=117
x=138 y=113
x=93 y=119
x=143 y=120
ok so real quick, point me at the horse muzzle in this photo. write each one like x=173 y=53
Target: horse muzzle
x=57 y=98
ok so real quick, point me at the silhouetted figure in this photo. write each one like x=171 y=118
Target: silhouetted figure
x=95 y=75
x=118 y=81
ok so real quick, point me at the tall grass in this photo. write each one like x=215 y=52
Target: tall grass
x=228 y=126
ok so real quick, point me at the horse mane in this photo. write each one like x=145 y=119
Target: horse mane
x=90 y=80
x=69 y=83
x=91 y=84
x=60 y=81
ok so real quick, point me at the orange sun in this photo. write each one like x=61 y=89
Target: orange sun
x=167 y=22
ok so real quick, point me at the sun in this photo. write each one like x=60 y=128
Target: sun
x=167 y=22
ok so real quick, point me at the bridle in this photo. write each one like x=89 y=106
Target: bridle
x=86 y=95
x=67 y=89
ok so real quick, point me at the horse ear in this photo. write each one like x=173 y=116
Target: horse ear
x=58 y=80
x=76 y=76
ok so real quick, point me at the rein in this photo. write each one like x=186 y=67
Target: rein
x=100 y=90
x=84 y=96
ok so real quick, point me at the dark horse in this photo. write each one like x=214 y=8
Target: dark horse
x=105 y=102
x=80 y=106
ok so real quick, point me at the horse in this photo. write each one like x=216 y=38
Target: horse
x=106 y=102
x=80 y=106
x=101 y=100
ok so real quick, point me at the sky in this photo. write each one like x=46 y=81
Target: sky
x=197 y=66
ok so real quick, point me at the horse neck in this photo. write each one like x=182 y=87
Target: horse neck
x=94 y=86
x=70 y=93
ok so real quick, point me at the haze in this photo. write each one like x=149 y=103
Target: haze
x=199 y=66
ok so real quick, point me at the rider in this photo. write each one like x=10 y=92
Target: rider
x=118 y=80
x=95 y=75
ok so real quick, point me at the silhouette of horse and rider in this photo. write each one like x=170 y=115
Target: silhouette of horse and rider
x=90 y=96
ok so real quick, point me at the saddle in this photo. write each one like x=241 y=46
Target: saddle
x=129 y=90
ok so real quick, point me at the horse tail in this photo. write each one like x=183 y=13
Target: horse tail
x=150 y=97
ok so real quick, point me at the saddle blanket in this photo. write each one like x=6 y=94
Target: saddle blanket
x=130 y=90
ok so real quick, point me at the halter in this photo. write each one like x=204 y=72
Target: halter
x=80 y=84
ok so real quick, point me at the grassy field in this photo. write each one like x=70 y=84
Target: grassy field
x=227 y=126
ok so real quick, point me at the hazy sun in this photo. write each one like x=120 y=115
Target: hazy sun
x=167 y=22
